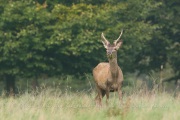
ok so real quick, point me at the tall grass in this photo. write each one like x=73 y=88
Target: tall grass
x=67 y=98
x=52 y=104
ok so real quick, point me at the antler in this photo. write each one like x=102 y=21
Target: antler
x=104 y=39
x=116 y=41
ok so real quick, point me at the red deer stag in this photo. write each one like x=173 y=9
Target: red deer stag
x=108 y=76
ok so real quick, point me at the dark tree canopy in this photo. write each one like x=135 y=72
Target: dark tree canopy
x=63 y=36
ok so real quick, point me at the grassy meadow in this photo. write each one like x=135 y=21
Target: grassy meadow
x=74 y=100
x=51 y=105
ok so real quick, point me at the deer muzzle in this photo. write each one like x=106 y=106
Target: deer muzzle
x=109 y=55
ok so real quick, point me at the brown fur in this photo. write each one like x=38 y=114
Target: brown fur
x=108 y=76
x=105 y=82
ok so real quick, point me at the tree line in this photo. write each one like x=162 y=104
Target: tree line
x=63 y=37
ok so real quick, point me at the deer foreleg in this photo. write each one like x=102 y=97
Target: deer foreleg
x=107 y=96
x=120 y=93
x=99 y=96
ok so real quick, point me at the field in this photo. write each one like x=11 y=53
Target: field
x=53 y=104
x=67 y=98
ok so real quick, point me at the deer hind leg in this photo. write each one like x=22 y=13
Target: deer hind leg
x=99 y=96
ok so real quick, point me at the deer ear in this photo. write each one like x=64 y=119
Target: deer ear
x=118 y=45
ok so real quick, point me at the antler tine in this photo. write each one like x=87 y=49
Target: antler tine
x=104 y=39
x=115 y=42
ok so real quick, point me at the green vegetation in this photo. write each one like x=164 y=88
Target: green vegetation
x=54 y=38
x=53 y=105
x=70 y=98
x=48 y=49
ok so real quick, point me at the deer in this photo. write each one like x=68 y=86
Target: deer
x=108 y=76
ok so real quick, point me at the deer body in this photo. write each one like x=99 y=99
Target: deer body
x=108 y=76
x=104 y=78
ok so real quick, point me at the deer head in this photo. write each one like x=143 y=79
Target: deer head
x=111 y=49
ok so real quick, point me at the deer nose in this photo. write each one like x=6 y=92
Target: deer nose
x=109 y=52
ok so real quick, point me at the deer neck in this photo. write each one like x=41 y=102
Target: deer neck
x=113 y=67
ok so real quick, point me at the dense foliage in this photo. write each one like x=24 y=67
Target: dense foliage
x=63 y=37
